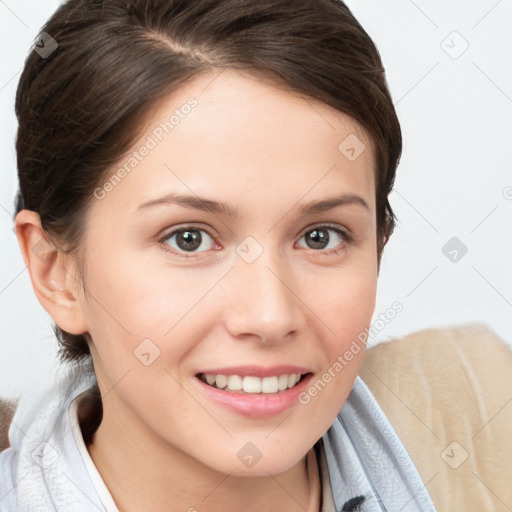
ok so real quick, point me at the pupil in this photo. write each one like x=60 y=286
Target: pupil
x=319 y=238
x=189 y=240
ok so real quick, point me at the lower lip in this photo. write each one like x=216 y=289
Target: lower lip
x=258 y=405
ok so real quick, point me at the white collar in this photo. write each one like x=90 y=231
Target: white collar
x=97 y=480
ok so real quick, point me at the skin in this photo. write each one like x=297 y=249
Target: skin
x=265 y=151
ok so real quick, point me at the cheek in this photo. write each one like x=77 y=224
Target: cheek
x=130 y=296
x=140 y=312
x=350 y=302
x=347 y=311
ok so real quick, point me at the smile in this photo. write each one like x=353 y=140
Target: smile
x=253 y=391
x=251 y=384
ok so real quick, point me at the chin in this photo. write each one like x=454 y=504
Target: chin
x=259 y=459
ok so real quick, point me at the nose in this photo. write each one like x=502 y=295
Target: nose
x=262 y=302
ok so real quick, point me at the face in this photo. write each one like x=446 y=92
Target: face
x=246 y=287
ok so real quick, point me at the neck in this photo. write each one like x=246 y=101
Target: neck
x=143 y=472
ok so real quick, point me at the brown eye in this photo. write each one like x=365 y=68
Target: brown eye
x=187 y=240
x=325 y=238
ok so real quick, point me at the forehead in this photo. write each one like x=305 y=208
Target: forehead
x=233 y=136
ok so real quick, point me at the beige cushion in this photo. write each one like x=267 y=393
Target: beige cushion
x=448 y=394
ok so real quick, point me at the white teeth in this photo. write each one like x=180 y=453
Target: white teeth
x=269 y=385
x=221 y=381
x=252 y=384
x=282 y=382
x=235 y=383
x=292 y=380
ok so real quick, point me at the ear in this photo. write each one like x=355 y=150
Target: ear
x=53 y=280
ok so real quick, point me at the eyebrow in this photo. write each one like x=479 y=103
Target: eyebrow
x=208 y=205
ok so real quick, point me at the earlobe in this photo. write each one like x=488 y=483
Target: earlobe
x=49 y=275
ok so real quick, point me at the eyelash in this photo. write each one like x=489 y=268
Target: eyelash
x=347 y=239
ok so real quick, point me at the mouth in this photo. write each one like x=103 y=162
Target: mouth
x=254 y=391
x=252 y=384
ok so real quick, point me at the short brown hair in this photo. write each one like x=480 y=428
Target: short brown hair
x=81 y=108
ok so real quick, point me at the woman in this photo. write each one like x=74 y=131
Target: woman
x=204 y=208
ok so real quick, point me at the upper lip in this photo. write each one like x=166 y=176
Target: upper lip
x=257 y=371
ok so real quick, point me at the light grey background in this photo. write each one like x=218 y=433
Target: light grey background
x=454 y=180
